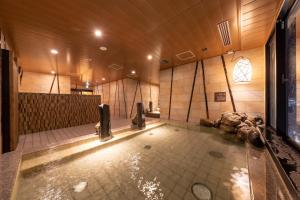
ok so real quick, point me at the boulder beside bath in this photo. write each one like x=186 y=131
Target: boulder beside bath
x=206 y=122
x=244 y=131
x=246 y=128
x=231 y=119
x=227 y=129
x=255 y=138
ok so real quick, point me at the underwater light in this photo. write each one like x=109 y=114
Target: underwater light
x=242 y=72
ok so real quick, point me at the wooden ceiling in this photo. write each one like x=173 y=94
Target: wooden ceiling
x=132 y=29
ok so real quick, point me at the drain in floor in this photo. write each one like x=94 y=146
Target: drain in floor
x=150 y=133
x=147 y=147
x=216 y=154
x=201 y=191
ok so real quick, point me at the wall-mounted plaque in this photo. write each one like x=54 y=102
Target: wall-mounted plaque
x=220 y=96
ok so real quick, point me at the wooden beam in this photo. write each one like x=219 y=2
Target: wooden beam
x=204 y=88
x=109 y=91
x=228 y=84
x=171 y=88
x=192 y=92
x=141 y=92
x=137 y=83
x=119 y=99
x=54 y=76
x=150 y=92
x=102 y=92
x=124 y=99
x=56 y=63
x=115 y=99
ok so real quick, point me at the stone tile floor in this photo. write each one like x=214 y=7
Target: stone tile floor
x=175 y=159
x=36 y=141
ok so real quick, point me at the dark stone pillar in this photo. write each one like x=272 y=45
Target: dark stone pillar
x=9 y=101
x=150 y=106
x=139 y=119
x=140 y=115
x=105 y=128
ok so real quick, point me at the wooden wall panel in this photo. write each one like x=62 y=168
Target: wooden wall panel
x=41 y=83
x=41 y=112
x=248 y=97
x=198 y=103
x=182 y=87
x=216 y=82
x=164 y=92
x=127 y=96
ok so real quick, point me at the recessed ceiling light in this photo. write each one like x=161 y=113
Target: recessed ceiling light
x=149 y=57
x=54 y=51
x=103 y=48
x=98 y=33
x=132 y=72
x=52 y=72
x=103 y=79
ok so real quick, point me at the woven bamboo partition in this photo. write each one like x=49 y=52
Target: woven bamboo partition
x=41 y=112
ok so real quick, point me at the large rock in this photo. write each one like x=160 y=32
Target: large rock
x=252 y=120
x=244 y=131
x=249 y=123
x=227 y=129
x=231 y=119
x=241 y=135
x=261 y=127
x=259 y=120
x=206 y=122
x=243 y=115
x=255 y=138
x=242 y=124
x=217 y=123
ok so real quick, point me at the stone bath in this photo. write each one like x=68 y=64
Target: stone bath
x=162 y=163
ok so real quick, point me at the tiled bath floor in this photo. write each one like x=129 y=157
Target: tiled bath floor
x=175 y=159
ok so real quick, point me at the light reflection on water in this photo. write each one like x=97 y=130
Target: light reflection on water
x=150 y=188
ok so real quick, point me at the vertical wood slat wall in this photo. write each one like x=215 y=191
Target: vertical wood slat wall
x=124 y=98
x=248 y=97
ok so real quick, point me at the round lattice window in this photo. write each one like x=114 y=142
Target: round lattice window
x=242 y=71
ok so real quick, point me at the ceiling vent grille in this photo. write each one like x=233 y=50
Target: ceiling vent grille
x=224 y=31
x=115 y=67
x=185 y=55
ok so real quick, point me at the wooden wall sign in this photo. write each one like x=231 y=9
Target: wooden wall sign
x=220 y=96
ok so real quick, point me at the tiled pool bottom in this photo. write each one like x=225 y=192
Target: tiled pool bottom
x=162 y=163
